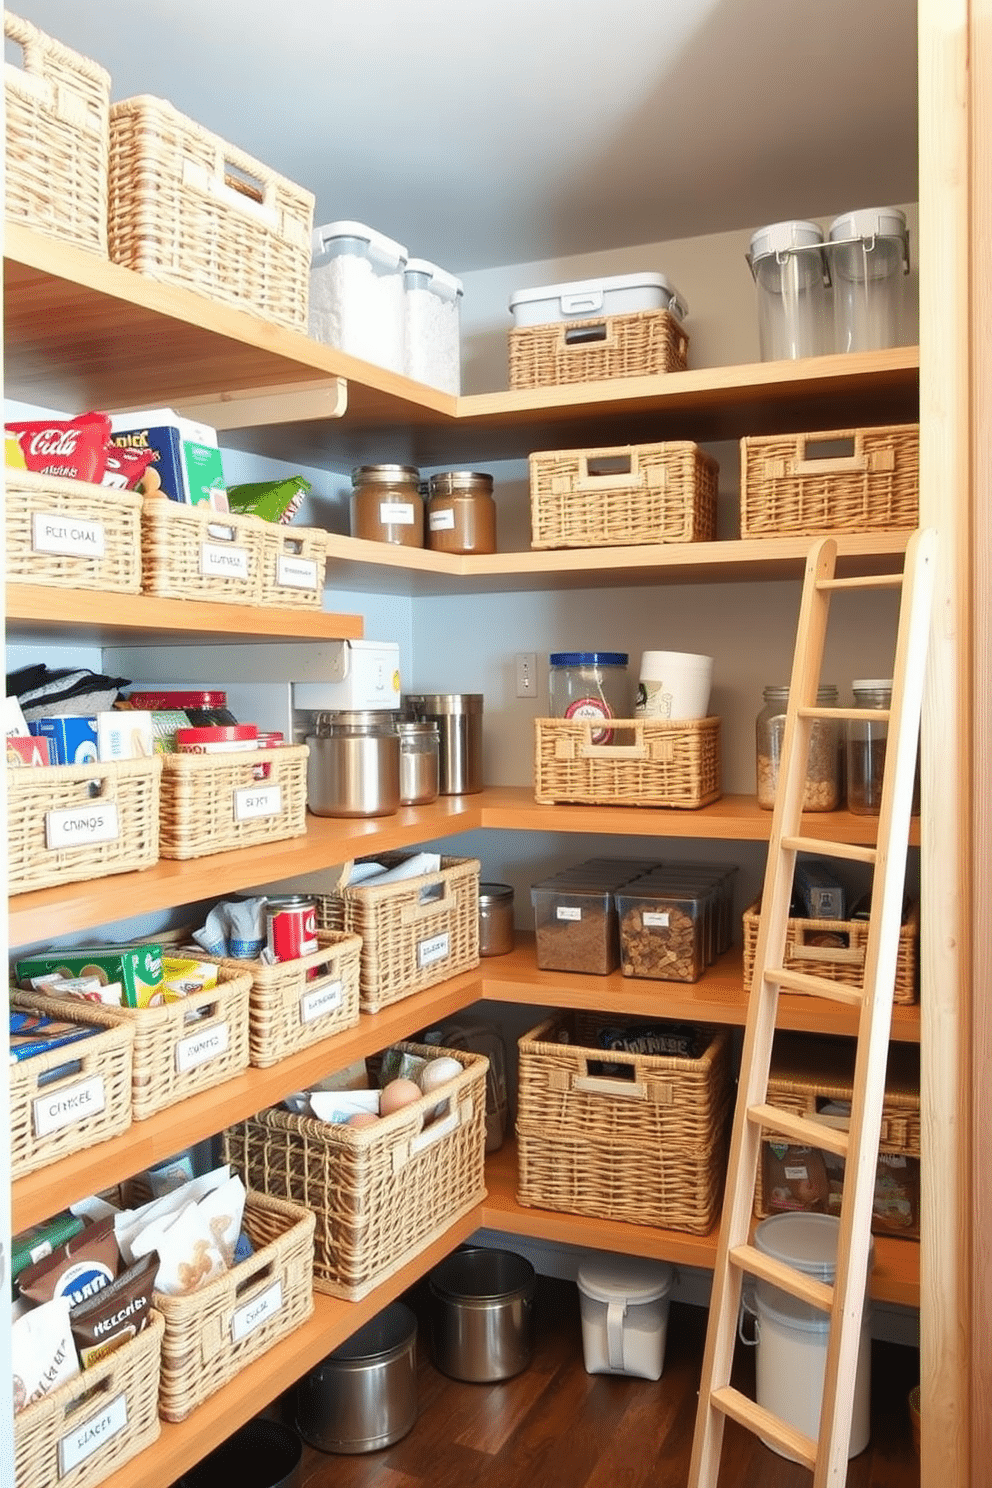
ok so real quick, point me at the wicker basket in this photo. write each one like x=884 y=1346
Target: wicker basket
x=187 y=208
x=587 y=350
x=415 y=933
x=214 y=1332
x=89 y=1427
x=72 y=534
x=837 y=963
x=57 y=111
x=641 y=493
x=664 y=764
x=215 y=802
x=807 y=1074
x=871 y=484
x=294 y=1004
x=293 y=562
x=96 y=1079
x=44 y=805
x=649 y=1149
x=193 y=552
x=381 y=1193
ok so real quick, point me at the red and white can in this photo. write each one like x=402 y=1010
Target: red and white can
x=291 y=927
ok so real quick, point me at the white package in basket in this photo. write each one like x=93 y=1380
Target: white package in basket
x=356 y=293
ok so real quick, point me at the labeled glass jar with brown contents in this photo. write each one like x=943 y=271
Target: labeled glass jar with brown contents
x=386 y=505
x=461 y=512
x=823 y=789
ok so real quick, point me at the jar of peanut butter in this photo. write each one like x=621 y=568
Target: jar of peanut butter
x=386 y=505
x=461 y=512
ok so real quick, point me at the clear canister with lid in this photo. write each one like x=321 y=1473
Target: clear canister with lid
x=866 y=738
x=386 y=505
x=790 y=270
x=461 y=512
x=869 y=261
x=495 y=919
x=590 y=684
x=823 y=778
x=420 y=744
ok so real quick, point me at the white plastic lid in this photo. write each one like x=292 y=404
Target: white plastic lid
x=869 y=222
x=806 y=1241
x=616 y=1278
x=437 y=276
x=595 y=286
x=777 y=237
x=324 y=236
x=871 y=682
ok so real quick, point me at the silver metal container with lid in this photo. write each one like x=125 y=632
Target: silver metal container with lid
x=495 y=919
x=420 y=755
x=458 y=716
x=354 y=764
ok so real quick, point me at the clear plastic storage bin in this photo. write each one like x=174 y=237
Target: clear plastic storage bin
x=432 y=311
x=789 y=267
x=357 y=293
x=869 y=261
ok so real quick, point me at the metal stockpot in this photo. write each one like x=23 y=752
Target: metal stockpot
x=363 y=1396
x=354 y=765
x=458 y=716
x=482 y=1314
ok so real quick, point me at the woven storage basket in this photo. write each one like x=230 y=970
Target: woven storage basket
x=809 y=1073
x=72 y=534
x=294 y=1004
x=666 y=764
x=649 y=1149
x=415 y=933
x=215 y=802
x=641 y=493
x=293 y=562
x=193 y=552
x=214 y=1332
x=57 y=111
x=872 y=485
x=596 y=350
x=89 y=1427
x=837 y=963
x=96 y=1080
x=381 y=1193
x=125 y=795
x=187 y=208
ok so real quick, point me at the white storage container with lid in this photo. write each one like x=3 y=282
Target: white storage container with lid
x=789 y=267
x=357 y=293
x=432 y=308
x=624 y=1306
x=622 y=294
x=869 y=259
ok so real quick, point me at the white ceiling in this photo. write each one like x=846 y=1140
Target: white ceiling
x=491 y=132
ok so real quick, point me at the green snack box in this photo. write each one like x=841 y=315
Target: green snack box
x=41 y=1239
x=273 y=501
x=137 y=968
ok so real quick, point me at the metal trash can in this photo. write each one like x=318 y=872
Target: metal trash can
x=363 y=1396
x=482 y=1314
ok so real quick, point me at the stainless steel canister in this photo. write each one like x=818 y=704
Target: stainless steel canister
x=420 y=755
x=354 y=764
x=458 y=716
x=482 y=1314
x=363 y=1396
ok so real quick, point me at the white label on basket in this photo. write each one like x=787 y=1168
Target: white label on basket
x=429 y=952
x=441 y=521
x=200 y=1048
x=796 y=1174
x=92 y=1434
x=68 y=1106
x=72 y=535
x=296 y=573
x=657 y=919
x=323 y=1000
x=396 y=513
x=568 y=912
x=251 y=801
x=218 y=562
x=78 y=825
x=256 y=1312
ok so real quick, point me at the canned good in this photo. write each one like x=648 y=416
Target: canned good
x=216 y=739
x=204 y=709
x=291 y=927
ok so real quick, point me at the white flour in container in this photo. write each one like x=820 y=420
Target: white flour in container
x=356 y=294
x=433 y=321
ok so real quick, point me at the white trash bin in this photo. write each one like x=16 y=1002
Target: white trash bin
x=624 y=1305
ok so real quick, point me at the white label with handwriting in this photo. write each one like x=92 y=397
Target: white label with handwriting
x=568 y=912
x=92 y=1434
x=75 y=826
x=254 y=1313
x=322 y=1000
x=217 y=562
x=200 y=1048
x=296 y=573
x=67 y=535
x=68 y=1106
x=252 y=801
x=657 y=919
x=429 y=952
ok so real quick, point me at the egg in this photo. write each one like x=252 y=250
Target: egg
x=397 y=1094
x=362 y=1118
x=438 y=1072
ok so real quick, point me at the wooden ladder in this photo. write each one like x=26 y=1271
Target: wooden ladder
x=826 y=1456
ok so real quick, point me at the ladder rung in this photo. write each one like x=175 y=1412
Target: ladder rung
x=863 y=581
x=807 y=1132
x=847 y=715
x=770 y=1428
x=826 y=848
x=798 y=1284
x=814 y=986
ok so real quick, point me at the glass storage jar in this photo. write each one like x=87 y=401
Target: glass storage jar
x=590 y=684
x=386 y=505
x=866 y=747
x=461 y=512
x=823 y=787
x=495 y=919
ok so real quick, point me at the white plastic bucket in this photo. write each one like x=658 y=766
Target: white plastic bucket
x=624 y=1306
x=791 y=1336
x=674 y=685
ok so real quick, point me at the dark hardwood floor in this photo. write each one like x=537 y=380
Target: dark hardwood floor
x=554 y=1426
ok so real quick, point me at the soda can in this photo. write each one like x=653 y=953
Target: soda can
x=291 y=927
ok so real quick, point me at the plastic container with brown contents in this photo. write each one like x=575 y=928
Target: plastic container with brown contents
x=386 y=505
x=663 y=932
x=461 y=512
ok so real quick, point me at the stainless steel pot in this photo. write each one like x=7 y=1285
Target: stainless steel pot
x=482 y=1314
x=363 y=1396
x=458 y=716
x=354 y=765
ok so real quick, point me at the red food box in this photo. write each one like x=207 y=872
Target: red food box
x=27 y=749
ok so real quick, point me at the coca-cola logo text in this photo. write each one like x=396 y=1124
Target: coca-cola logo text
x=54 y=442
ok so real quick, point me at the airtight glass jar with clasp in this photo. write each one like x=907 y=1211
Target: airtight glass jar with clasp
x=386 y=505
x=461 y=512
x=822 y=792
